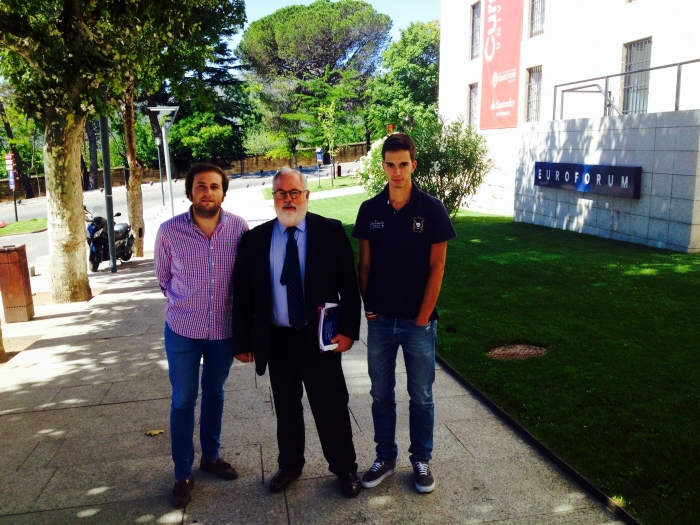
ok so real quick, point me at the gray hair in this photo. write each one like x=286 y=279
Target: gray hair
x=286 y=170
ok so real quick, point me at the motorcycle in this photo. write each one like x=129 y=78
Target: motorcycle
x=98 y=242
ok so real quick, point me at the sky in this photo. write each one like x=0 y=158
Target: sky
x=402 y=12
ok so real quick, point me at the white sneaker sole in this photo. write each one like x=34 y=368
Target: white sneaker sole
x=372 y=484
x=425 y=490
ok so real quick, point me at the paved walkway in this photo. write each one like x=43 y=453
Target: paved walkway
x=76 y=404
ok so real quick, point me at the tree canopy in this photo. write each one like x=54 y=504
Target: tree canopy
x=302 y=41
x=291 y=52
x=61 y=57
x=406 y=91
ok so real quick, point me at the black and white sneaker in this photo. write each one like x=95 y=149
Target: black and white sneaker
x=377 y=472
x=424 y=479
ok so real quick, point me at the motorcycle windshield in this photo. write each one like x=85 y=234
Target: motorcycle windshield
x=99 y=211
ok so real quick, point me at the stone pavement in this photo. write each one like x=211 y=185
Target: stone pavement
x=76 y=404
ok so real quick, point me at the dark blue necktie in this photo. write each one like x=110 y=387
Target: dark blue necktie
x=291 y=278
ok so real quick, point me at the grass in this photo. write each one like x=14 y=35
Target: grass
x=30 y=226
x=343 y=182
x=616 y=396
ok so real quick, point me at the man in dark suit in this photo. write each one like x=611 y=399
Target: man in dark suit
x=286 y=268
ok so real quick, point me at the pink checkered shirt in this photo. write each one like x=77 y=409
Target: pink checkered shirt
x=195 y=274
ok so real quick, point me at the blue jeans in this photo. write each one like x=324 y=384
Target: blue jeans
x=184 y=355
x=418 y=344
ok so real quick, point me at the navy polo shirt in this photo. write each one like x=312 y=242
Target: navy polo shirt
x=400 y=243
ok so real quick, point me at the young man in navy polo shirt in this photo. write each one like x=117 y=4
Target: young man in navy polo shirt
x=403 y=234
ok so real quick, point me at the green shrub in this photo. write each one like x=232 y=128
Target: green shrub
x=452 y=162
x=370 y=170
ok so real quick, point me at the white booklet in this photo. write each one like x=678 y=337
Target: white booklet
x=327 y=326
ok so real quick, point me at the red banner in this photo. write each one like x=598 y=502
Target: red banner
x=500 y=78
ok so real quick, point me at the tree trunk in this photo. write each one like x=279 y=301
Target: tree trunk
x=21 y=174
x=92 y=147
x=134 y=197
x=63 y=137
x=293 y=150
x=84 y=172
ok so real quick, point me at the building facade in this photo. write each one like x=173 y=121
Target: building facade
x=502 y=66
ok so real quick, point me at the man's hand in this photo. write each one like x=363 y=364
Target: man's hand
x=344 y=343
x=421 y=322
x=245 y=358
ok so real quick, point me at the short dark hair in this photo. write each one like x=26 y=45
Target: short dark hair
x=203 y=167
x=399 y=142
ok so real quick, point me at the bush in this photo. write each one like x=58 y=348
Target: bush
x=452 y=161
x=370 y=171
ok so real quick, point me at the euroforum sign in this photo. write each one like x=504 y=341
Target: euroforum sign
x=617 y=181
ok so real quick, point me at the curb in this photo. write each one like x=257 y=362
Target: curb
x=532 y=440
x=25 y=233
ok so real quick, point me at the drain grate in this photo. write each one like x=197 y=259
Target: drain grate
x=516 y=352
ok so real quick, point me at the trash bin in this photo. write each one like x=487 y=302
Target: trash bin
x=15 y=286
x=337 y=168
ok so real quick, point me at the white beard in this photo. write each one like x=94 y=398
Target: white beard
x=292 y=218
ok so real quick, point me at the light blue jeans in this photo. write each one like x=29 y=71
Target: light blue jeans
x=184 y=355
x=418 y=344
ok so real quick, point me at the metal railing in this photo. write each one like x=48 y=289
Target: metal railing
x=608 y=104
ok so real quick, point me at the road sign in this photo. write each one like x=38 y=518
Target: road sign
x=319 y=155
x=11 y=179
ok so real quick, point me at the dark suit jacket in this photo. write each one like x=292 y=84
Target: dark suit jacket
x=329 y=277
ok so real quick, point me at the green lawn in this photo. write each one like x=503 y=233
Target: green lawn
x=343 y=182
x=30 y=226
x=617 y=395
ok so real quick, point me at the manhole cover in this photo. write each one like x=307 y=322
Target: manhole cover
x=516 y=352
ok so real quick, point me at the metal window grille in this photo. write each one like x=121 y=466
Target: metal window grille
x=536 y=17
x=534 y=92
x=635 y=86
x=474 y=105
x=476 y=30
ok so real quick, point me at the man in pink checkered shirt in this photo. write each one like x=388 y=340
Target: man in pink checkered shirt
x=194 y=257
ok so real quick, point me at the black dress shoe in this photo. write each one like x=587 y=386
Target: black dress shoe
x=282 y=480
x=350 y=485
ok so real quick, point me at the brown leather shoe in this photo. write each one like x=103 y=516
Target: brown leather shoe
x=282 y=480
x=181 y=493
x=219 y=467
x=350 y=485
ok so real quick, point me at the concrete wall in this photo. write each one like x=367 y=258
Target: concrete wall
x=580 y=40
x=665 y=145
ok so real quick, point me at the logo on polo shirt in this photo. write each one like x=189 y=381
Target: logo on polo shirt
x=418 y=224
x=375 y=225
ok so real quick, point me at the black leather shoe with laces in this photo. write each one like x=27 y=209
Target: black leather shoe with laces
x=182 y=492
x=219 y=467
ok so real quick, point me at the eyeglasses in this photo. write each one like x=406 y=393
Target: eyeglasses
x=281 y=194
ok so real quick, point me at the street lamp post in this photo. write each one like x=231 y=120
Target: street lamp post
x=160 y=169
x=166 y=152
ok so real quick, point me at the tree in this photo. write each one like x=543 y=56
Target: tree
x=62 y=57
x=300 y=44
x=407 y=92
x=325 y=108
x=193 y=63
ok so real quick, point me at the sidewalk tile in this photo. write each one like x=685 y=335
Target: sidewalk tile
x=154 y=510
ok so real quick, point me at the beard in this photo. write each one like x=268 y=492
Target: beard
x=291 y=215
x=206 y=212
